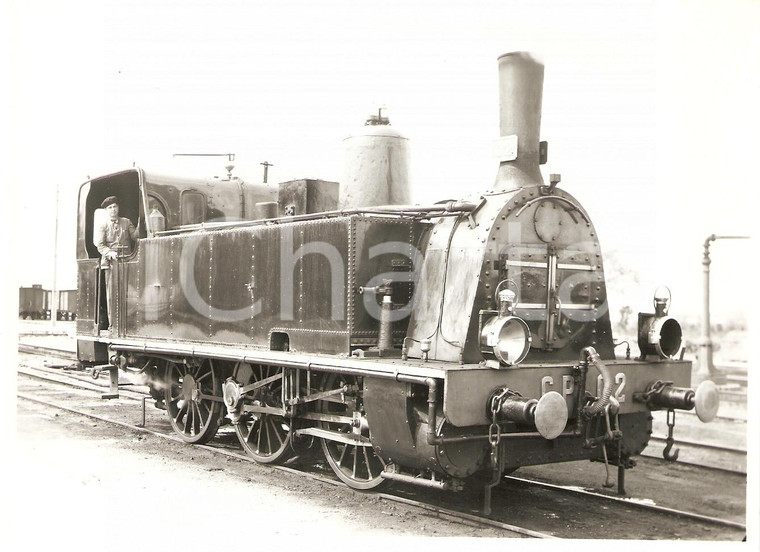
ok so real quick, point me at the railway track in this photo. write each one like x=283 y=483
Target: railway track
x=430 y=502
x=452 y=515
x=630 y=502
x=708 y=446
x=402 y=497
x=46 y=351
x=721 y=417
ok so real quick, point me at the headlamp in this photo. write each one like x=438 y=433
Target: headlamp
x=659 y=334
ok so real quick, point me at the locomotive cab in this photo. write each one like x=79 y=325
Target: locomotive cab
x=154 y=204
x=126 y=187
x=92 y=302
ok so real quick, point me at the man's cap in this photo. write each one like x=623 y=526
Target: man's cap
x=110 y=200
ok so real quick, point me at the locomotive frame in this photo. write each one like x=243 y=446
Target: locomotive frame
x=390 y=335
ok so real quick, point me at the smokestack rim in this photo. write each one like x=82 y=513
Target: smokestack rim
x=524 y=54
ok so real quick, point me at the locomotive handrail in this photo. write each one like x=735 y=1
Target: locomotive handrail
x=450 y=208
x=554 y=198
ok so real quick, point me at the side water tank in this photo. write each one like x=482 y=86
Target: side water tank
x=375 y=166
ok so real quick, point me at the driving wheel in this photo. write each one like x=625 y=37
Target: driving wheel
x=352 y=458
x=193 y=400
x=262 y=430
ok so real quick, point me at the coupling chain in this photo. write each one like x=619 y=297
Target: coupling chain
x=656 y=388
x=494 y=436
x=494 y=431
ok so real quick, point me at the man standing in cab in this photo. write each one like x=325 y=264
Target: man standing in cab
x=113 y=237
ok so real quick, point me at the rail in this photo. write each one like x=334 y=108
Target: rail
x=421 y=504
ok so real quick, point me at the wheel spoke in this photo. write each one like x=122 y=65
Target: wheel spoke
x=182 y=411
x=197 y=420
x=204 y=417
x=251 y=432
x=276 y=428
x=258 y=435
x=270 y=442
x=265 y=425
x=191 y=420
x=342 y=454
x=203 y=377
x=366 y=462
x=172 y=397
x=188 y=420
x=175 y=368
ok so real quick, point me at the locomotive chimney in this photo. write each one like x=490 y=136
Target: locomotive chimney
x=521 y=80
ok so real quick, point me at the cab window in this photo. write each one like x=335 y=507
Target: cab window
x=192 y=207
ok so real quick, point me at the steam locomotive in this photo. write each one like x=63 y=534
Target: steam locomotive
x=427 y=344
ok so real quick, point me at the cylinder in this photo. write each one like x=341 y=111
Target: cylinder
x=521 y=82
x=375 y=167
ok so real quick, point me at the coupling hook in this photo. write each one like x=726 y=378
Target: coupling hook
x=669 y=442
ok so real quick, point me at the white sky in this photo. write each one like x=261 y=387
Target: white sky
x=650 y=109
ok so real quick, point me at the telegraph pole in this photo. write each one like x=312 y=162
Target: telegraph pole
x=266 y=164
x=706 y=367
x=54 y=291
